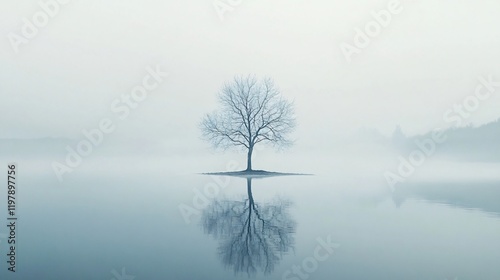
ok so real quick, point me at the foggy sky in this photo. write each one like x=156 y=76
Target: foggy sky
x=91 y=52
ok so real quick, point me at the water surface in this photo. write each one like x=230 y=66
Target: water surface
x=111 y=227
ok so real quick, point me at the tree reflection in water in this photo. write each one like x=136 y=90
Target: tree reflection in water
x=252 y=236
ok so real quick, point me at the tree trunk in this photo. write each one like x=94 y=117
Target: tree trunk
x=249 y=159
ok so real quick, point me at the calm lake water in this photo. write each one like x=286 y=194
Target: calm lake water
x=292 y=227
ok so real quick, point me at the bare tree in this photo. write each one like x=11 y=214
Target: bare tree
x=252 y=112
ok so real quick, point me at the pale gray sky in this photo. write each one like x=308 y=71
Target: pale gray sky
x=65 y=78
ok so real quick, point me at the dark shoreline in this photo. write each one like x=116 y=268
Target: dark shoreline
x=254 y=173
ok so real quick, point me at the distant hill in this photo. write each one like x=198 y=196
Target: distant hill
x=50 y=147
x=26 y=148
x=465 y=143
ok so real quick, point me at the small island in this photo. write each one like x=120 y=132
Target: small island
x=253 y=173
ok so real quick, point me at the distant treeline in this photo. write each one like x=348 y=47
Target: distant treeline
x=465 y=143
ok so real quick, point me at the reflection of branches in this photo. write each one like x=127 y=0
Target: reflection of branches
x=252 y=236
